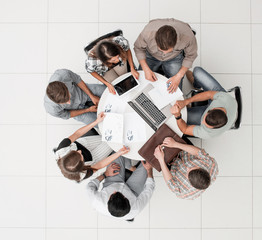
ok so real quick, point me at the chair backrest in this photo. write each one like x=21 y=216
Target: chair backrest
x=108 y=35
x=239 y=106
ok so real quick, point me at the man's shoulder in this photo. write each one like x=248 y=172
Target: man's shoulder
x=62 y=75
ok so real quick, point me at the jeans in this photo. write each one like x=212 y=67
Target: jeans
x=135 y=182
x=87 y=118
x=204 y=80
x=170 y=67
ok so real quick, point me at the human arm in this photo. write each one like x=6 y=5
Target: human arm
x=81 y=131
x=74 y=113
x=175 y=80
x=95 y=99
x=101 y=79
x=131 y=64
x=197 y=98
x=184 y=128
x=103 y=163
x=171 y=143
x=149 y=74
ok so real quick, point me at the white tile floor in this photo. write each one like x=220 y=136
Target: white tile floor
x=39 y=36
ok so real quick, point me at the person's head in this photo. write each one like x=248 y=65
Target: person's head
x=199 y=178
x=58 y=92
x=118 y=205
x=216 y=118
x=72 y=164
x=166 y=38
x=109 y=53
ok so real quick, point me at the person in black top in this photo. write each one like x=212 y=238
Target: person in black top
x=79 y=157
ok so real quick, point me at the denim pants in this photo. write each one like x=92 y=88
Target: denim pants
x=170 y=67
x=204 y=80
x=87 y=118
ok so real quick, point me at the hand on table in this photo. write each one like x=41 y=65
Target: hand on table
x=123 y=150
x=174 y=82
x=181 y=103
x=100 y=117
x=150 y=75
x=135 y=73
x=111 y=88
x=175 y=110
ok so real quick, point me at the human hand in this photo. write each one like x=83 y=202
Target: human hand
x=146 y=165
x=112 y=170
x=100 y=117
x=95 y=99
x=159 y=154
x=175 y=80
x=123 y=150
x=92 y=109
x=181 y=103
x=169 y=142
x=135 y=73
x=111 y=88
x=175 y=110
x=149 y=75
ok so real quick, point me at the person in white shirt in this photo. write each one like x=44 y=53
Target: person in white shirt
x=120 y=199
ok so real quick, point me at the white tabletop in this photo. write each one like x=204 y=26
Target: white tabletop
x=134 y=147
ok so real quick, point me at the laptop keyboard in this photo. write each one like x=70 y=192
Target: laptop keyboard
x=150 y=108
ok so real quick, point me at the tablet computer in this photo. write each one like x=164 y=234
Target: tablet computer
x=126 y=85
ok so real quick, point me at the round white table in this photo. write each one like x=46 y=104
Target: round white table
x=134 y=147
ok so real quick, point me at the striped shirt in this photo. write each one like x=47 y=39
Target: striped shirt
x=179 y=170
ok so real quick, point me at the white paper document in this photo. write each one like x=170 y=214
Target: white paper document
x=134 y=128
x=113 y=128
x=114 y=104
x=160 y=95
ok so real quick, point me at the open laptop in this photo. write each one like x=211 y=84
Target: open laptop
x=144 y=106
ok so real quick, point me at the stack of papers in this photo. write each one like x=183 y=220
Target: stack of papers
x=124 y=129
x=160 y=95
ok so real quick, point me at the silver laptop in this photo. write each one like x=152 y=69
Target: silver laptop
x=144 y=106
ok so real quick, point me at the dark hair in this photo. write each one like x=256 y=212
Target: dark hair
x=71 y=166
x=118 y=205
x=57 y=92
x=199 y=178
x=108 y=49
x=216 y=118
x=166 y=37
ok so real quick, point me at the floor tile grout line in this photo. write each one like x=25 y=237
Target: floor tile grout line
x=252 y=120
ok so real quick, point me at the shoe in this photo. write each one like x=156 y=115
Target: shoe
x=190 y=77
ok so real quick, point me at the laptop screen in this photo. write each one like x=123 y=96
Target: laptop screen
x=125 y=85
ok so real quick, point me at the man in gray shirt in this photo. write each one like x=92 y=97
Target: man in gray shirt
x=213 y=119
x=67 y=96
x=166 y=43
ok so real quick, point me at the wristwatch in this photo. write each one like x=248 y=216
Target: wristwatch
x=104 y=175
x=179 y=117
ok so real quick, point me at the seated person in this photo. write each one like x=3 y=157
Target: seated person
x=166 y=43
x=191 y=172
x=210 y=120
x=106 y=61
x=79 y=157
x=67 y=96
x=120 y=199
